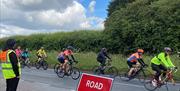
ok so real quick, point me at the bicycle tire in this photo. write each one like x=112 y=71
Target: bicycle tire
x=96 y=70
x=111 y=71
x=60 y=72
x=37 y=65
x=141 y=76
x=124 y=74
x=149 y=86
x=55 y=67
x=75 y=73
x=45 y=65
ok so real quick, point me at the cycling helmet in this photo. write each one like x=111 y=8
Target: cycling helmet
x=70 y=48
x=168 y=49
x=140 y=50
x=104 y=49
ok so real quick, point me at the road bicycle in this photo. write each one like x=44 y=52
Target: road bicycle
x=141 y=73
x=74 y=72
x=41 y=63
x=108 y=70
x=152 y=87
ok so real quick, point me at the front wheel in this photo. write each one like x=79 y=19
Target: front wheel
x=112 y=71
x=45 y=65
x=123 y=74
x=141 y=76
x=75 y=73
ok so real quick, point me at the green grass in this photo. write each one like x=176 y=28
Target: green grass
x=88 y=60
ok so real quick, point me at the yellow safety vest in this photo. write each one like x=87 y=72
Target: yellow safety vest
x=6 y=65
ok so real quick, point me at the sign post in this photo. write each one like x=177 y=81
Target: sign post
x=90 y=82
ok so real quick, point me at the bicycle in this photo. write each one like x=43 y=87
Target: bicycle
x=151 y=87
x=108 y=69
x=141 y=73
x=41 y=63
x=72 y=71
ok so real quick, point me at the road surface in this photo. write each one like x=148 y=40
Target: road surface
x=46 y=80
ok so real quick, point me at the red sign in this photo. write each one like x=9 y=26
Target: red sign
x=94 y=83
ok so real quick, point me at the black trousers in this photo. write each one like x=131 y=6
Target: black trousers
x=158 y=69
x=11 y=84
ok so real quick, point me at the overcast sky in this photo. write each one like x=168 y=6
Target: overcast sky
x=31 y=16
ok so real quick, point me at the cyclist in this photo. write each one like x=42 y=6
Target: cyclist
x=25 y=55
x=135 y=61
x=62 y=59
x=69 y=54
x=41 y=53
x=101 y=58
x=161 y=62
x=18 y=52
x=69 y=57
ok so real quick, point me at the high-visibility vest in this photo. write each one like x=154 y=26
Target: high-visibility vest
x=6 y=65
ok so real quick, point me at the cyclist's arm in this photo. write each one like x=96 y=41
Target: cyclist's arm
x=107 y=56
x=163 y=60
x=44 y=52
x=141 y=61
x=170 y=62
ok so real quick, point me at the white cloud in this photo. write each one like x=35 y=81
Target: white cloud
x=31 y=16
x=92 y=6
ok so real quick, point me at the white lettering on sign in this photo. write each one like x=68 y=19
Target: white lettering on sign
x=92 y=84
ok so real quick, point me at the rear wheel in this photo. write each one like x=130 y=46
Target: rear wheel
x=60 y=72
x=96 y=70
x=56 y=67
x=37 y=65
x=148 y=84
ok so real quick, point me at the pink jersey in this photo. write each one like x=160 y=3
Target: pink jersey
x=18 y=52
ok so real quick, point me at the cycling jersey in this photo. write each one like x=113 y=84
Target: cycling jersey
x=134 y=57
x=41 y=52
x=68 y=52
x=18 y=52
x=25 y=54
x=162 y=59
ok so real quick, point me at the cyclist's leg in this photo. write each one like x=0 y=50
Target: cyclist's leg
x=66 y=66
x=39 y=58
x=130 y=64
x=164 y=69
x=103 y=64
x=157 y=69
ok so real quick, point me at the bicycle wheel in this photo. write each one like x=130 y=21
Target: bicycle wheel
x=56 y=67
x=123 y=74
x=75 y=73
x=45 y=65
x=149 y=85
x=37 y=65
x=96 y=70
x=60 y=72
x=141 y=76
x=111 y=71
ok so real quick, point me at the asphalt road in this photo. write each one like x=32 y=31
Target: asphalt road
x=46 y=80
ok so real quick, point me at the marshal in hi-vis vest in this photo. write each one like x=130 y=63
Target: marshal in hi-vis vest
x=6 y=65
